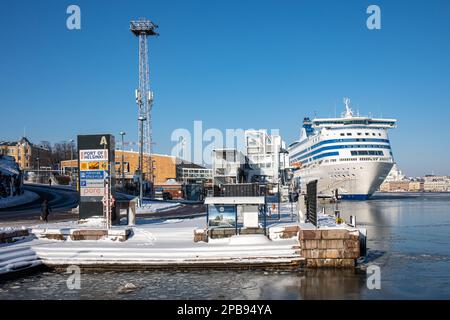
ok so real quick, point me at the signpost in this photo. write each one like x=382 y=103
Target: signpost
x=96 y=176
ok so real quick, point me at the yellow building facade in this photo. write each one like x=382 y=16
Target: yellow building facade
x=164 y=166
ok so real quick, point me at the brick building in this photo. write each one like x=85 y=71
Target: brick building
x=27 y=154
x=164 y=166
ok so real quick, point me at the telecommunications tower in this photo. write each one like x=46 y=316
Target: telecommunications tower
x=144 y=96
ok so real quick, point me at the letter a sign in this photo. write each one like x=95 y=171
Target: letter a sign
x=103 y=141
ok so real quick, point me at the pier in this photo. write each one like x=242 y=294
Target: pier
x=185 y=244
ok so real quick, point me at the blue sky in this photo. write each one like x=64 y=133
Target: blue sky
x=231 y=64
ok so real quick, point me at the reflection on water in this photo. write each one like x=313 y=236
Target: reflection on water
x=305 y=284
x=408 y=238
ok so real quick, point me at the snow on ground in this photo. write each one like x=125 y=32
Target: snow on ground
x=162 y=242
x=324 y=220
x=11 y=229
x=156 y=206
x=24 y=198
x=158 y=242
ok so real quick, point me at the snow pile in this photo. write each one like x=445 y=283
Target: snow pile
x=149 y=206
x=329 y=222
x=92 y=222
x=17 y=257
x=11 y=229
x=325 y=220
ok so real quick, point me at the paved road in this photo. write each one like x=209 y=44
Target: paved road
x=60 y=199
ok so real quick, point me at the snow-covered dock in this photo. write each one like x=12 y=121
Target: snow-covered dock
x=173 y=244
x=165 y=244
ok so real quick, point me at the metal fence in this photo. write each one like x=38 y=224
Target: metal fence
x=311 y=202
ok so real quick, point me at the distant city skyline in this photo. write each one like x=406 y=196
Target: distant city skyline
x=230 y=64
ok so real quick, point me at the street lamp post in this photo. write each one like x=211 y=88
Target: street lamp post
x=153 y=178
x=71 y=141
x=38 y=171
x=71 y=150
x=122 y=133
x=141 y=158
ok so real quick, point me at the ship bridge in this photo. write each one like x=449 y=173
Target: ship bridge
x=349 y=120
x=354 y=122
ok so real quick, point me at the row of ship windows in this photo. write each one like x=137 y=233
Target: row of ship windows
x=338 y=140
x=360 y=159
x=342 y=176
x=350 y=159
x=364 y=159
x=360 y=134
x=351 y=134
x=367 y=153
x=302 y=158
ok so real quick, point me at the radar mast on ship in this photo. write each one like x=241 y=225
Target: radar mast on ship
x=348 y=110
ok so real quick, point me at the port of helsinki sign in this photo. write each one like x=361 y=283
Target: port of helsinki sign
x=94 y=155
x=95 y=152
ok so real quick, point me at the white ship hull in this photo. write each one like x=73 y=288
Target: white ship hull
x=358 y=180
x=351 y=154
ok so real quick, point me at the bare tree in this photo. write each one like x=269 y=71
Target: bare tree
x=63 y=151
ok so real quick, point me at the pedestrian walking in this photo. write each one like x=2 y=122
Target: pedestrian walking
x=45 y=210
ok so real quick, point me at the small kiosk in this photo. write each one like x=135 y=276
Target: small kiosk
x=227 y=216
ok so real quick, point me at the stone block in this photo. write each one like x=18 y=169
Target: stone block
x=331 y=244
x=230 y=232
x=310 y=234
x=54 y=236
x=310 y=244
x=330 y=263
x=218 y=232
x=353 y=235
x=335 y=234
x=313 y=253
x=288 y=235
x=200 y=235
x=87 y=232
x=351 y=243
x=333 y=254
x=291 y=229
x=351 y=253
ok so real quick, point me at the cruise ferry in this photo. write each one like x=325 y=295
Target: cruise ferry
x=350 y=154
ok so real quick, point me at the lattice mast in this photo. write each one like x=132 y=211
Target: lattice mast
x=144 y=96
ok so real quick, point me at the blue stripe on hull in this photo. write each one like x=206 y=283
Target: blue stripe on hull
x=355 y=196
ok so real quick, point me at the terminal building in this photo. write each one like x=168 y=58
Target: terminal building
x=265 y=156
x=164 y=166
x=170 y=175
x=191 y=173
x=229 y=166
